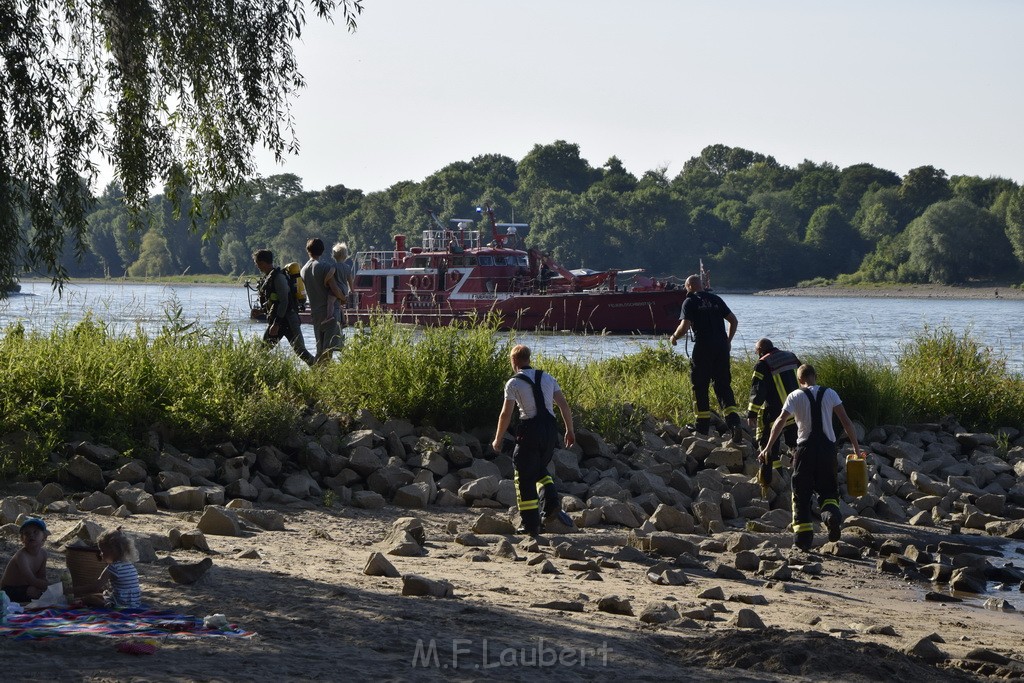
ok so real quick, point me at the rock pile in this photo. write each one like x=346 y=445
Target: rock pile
x=669 y=485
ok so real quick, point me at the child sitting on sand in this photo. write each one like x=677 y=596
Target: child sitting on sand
x=24 y=579
x=119 y=577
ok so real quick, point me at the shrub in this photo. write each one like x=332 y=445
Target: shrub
x=868 y=388
x=940 y=373
x=451 y=377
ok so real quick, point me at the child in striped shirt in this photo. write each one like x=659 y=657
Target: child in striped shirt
x=119 y=577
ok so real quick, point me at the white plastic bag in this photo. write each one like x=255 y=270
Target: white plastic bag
x=53 y=596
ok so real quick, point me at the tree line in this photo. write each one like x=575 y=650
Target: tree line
x=753 y=221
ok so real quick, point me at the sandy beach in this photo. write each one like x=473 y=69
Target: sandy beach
x=319 y=617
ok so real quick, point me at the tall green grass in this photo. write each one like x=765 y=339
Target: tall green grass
x=941 y=373
x=450 y=377
x=198 y=386
x=202 y=385
x=936 y=374
x=869 y=389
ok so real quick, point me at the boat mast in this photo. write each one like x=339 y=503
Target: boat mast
x=499 y=240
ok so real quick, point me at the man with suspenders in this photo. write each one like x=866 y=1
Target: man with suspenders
x=814 y=463
x=535 y=393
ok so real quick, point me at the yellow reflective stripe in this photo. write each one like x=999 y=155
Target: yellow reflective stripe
x=807 y=526
x=544 y=481
x=758 y=375
x=830 y=501
x=703 y=413
x=531 y=504
x=754 y=408
x=780 y=388
x=777 y=464
x=731 y=410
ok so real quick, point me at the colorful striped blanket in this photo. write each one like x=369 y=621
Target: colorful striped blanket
x=133 y=623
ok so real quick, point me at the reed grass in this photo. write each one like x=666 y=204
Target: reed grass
x=202 y=385
x=450 y=377
x=198 y=386
x=942 y=373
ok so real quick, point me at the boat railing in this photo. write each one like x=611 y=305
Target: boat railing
x=372 y=260
x=441 y=240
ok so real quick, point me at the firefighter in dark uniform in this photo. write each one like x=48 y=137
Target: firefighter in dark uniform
x=280 y=305
x=706 y=315
x=774 y=379
x=535 y=393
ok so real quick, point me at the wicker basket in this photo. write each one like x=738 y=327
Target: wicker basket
x=85 y=564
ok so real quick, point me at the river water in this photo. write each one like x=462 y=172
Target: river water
x=871 y=329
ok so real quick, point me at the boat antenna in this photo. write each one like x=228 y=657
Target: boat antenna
x=705 y=277
x=435 y=219
x=499 y=240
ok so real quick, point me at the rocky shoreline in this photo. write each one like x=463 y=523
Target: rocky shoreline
x=357 y=542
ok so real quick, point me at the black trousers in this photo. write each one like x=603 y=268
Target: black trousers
x=814 y=471
x=294 y=337
x=710 y=365
x=788 y=434
x=535 y=446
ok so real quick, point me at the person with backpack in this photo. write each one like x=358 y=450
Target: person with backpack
x=535 y=393
x=814 y=463
x=277 y=295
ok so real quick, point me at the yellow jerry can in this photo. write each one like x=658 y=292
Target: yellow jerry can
x=856 y=474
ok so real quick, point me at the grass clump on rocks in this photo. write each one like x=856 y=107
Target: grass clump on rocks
x=941 y=373
x=450 y=377
x=199 y=385
x=203 y=385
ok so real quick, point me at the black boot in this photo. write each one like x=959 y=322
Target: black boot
x=530 y=522
x=834 y=523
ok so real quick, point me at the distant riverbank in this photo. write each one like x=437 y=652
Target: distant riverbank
x=900 y=291
x=205 y=280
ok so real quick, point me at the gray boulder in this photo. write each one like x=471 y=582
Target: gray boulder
x=219 y=521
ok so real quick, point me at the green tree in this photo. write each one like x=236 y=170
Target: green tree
x=615 y=177
x=979 y=191
x=720 y=160
x=880 y=213
x=557 y=166
x=772 y=254
x=234 y=258
x=290 y=244
x=835 y=246
x=709 y=231
x=816 y=186
x=166 y=90
x=922 y=187
x=760 y=177
x=1015 y=224
x=955 y=241
x=564 y=228
x=856 y=180
x=883 y=264
x=154 y=257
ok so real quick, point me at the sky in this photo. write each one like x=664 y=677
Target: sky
x=896 y=83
